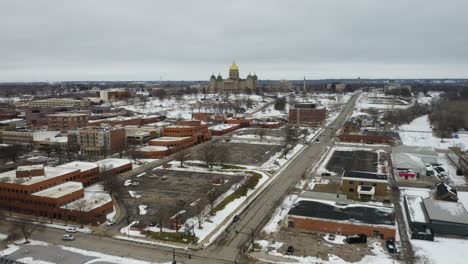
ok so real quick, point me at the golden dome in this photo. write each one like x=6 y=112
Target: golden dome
x=234 y=67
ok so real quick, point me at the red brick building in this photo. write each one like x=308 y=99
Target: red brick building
x=52 y=192
x=222 y=129
x=307 y=114
x=189 y=128
x=342 y=218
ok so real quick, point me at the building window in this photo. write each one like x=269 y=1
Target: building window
x=351 y=190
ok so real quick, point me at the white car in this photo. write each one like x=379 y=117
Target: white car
x=68 y=237
x=110 y=222
x=71 y=229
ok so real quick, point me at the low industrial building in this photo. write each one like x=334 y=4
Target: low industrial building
x=428 y=217
x=154 y=152
x=342 y=218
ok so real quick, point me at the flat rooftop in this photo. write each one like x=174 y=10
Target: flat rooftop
x=221 y=127
x=168 y=139
x=417 y=213
x=365 y=175
x=153 y=148
x=50 y=172
x=345 y=212
x=92 y=199
x=445 y=211
x=68 y=115
x=60 y=190
x=112 y=163
x=80 y=165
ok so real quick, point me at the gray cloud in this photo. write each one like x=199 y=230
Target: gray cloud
x=146 y=40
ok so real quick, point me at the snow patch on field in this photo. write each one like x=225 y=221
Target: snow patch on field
x=419 y=133
x=442 y=250
x=280 y=213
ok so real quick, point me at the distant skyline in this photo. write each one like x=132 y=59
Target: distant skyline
x=54 y=40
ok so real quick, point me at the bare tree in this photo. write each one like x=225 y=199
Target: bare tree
x=81 y=209
x=181 y=156
x=222 y=153
x=211 y=196
x=261 y=134
x=209 y=154
x=200 y=212
x=25 y=229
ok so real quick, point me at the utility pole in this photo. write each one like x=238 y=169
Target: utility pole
x=173 y=256
x=252 y=238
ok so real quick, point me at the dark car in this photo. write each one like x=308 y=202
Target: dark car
x=153 y=224
x=326 y=174
x=290 y=250
x=391 y=247
x=354 y=239
x=235 y=219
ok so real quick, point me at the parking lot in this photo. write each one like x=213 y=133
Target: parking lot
x=358 y=160
x=244 y=153
x=168 y=192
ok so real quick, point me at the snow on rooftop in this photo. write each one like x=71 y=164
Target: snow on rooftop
x=81 y=165
x=44 y=135
x=167 y=139
x=59 y=139
x=446 y=211
x=92 y=199
x=222 y=127
x=416 y=209
x=50 y=172
x=153 y=148
x=112 y=163
x=60 y=190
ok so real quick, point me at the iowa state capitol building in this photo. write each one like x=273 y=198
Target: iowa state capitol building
x=233 y=84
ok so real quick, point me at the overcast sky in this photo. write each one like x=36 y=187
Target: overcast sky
x=189 y=40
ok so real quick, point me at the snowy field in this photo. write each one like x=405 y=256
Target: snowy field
x=419 y=133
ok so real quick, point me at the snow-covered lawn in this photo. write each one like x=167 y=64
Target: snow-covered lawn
x=441 y=251
x=419 y=133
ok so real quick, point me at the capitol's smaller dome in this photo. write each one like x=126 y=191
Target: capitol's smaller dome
x=212 y=76
x=219 y=77
x=249 y=76
x=255 y=77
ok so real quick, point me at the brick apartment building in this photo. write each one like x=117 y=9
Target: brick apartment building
x=189 y=128
x=52 y=192
x=101 y=141
x=307 y=114
x=66 y=121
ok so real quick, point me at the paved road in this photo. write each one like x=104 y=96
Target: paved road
x=261 y=209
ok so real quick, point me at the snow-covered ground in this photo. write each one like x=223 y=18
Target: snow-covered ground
x=419 y=133
x=274 y=224
x=97 y=257
x=379 y=256
x=451 y=170
x=441 y=251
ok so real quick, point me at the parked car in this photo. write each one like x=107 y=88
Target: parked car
x=440 y=170
x=326 y=174
x=164 y=177
x=290 y=250
x=71 y=229
x=331 y=237
x=391 y=247
x=354 y=239
x=68 y=237
x=154 y=224
x=110 y=222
